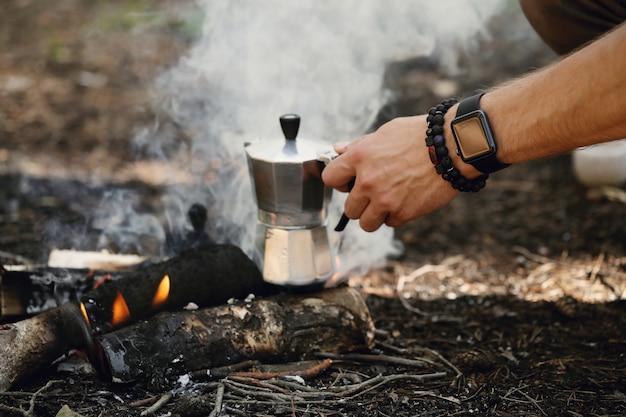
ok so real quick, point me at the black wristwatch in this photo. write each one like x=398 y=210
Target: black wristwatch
x=473 y=137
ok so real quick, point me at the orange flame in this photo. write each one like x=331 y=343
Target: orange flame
x=83 y=310
x=101 y=280
x=334 y=279
x=121 y=313
x=162 y=292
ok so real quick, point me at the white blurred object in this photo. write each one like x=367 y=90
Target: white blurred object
x=602 y=164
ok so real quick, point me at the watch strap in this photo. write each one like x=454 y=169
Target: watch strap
x=489 y=163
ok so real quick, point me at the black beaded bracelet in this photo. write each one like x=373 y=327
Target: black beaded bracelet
x=438 y=151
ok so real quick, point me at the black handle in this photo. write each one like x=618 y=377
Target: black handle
x=290 y=123
x=343 y=221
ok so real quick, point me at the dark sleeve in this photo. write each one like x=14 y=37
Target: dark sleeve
x=566 y=25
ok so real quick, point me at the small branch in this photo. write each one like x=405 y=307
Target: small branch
x=426 y=269
x=530 y=400
x=272 y=396
x=360 y=357
x=436 y=354
x=31 y=407
x=157 y=405
x=258 y=383
x=223 y=371
x=219 y=396
x=145 y=402
x=308 y=373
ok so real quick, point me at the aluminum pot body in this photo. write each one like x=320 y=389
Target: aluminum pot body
x=287 y=181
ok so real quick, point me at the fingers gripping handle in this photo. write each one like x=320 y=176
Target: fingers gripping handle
x=343 y=221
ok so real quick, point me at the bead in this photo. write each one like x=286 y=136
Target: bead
x=437 y=130
x=437 y=119
x=433 y=155
x=446 y=162
x=439 y=140
x=430 y=141
x=441 y=151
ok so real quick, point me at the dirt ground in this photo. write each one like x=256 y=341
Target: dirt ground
x=516 y=293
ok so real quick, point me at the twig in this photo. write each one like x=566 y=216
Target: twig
x=340 y=393
x=458 y=372
x=157 y=405
x=223 y=371
x=311 y=372
x=361 y=357
x=146 y=401
x=387 y=346
x=31 y=407
x=530 y=400
x=258 y=383
x=423 y=270
x=351 y=391
x=273 y=396
x=219 y=396
x=10 y=409
x=296 y=386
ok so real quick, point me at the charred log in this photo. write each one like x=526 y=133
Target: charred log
x=206 y=277
x=279 y=328
x=25 y=293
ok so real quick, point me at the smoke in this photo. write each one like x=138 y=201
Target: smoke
x=323 y=60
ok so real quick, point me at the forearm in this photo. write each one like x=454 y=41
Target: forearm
x=578 y=101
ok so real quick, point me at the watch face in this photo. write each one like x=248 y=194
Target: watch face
x=472 y=136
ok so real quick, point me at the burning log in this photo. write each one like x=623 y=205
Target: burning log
x=209 y=276
x=206 y=277
x=283 y=327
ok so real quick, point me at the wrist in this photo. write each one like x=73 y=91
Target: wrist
x=467 y=170
x=440 y=154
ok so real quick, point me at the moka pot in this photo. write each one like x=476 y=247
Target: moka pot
x=292 y=239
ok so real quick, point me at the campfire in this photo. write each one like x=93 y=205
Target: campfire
x=200 y=310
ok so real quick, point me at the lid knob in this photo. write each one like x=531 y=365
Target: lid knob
x=290 y=123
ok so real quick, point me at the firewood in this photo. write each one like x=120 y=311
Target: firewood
x=61 y=258
x=27 y=345
x=285 y=327
x=206 y=277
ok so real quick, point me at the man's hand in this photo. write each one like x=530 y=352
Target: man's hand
x=395 y=180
